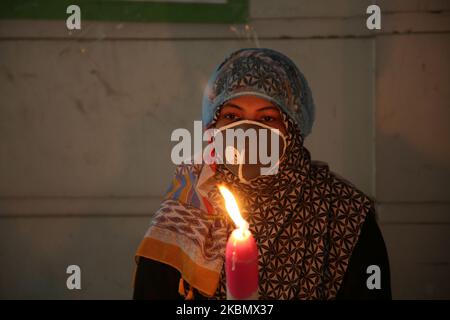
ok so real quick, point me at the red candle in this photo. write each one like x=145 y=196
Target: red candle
x=241 y=258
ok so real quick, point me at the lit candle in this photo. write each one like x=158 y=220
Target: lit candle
x=241 y=258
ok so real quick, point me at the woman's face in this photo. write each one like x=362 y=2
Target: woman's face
x=251 y=108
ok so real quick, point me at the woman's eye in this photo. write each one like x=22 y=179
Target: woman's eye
x=267 y=118
x=230 y=116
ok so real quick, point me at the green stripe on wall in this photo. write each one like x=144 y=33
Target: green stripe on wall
x=234 y=11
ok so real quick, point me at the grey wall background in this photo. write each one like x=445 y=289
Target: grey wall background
x=86 y=118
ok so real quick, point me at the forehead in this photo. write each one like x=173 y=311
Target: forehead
x=250 y=102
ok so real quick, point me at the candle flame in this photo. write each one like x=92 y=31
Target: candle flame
x=233 y=208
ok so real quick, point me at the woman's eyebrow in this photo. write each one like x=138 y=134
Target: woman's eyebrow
x=233 y=106
x=267 y=108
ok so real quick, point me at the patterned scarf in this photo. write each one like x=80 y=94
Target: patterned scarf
x=305 y=220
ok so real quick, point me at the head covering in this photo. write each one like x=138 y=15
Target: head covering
x=305 y=219
x=265 y=73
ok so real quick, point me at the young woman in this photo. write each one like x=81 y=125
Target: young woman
x=316 y=232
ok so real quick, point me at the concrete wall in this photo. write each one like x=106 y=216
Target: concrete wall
x=86 y=117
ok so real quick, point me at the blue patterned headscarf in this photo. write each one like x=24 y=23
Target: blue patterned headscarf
x=265 y=73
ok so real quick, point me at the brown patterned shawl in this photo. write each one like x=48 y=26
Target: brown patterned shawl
x=306 y=221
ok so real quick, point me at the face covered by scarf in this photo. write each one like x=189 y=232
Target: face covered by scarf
x=305 y=220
